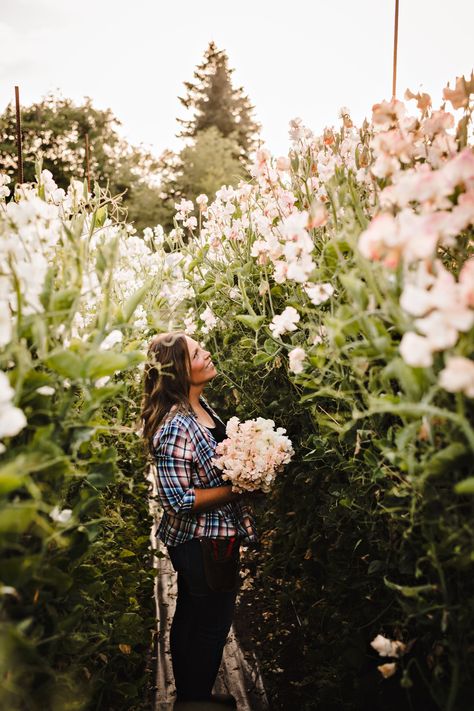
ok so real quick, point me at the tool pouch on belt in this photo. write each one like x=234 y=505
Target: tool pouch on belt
x=221 y=558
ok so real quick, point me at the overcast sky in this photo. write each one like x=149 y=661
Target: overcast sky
x=294 y=58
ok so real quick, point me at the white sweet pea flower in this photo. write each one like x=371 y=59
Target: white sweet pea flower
x=416 y=350
x=45 y=390
x=285 y=322
x=111 y=339
x=319 y=293
x=388 y=647
x=202 y=201
x=415 y=301
x=438 y=329
x=59 y=516
x=6 y=329
x=458 y=376
x=12 y=419
x=297 y=357
x=210 y=320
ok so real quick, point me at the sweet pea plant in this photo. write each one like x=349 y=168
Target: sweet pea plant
x=336 y=288
x=78 y=293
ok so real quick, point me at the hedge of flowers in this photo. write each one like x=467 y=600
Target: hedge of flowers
x=337 y=291
x=336 y=288
x=77 y=613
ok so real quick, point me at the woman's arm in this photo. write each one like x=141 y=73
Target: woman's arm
x=208 y=499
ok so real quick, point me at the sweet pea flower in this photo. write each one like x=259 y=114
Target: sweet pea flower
x=184 y=206
x=387 y=647
x=416 y=350
x=111 y=339
x=387 y=670
x=45 y=390
x=459 y=96
x=458 y=376
x=387 y=113
x=209 y=319
x=423 y=101
x=283 y=164
x=202 y=201
x=415 y=300
x=296 y=358
x=12 y=419
x=59 y=516
x=319 y=293
x=466 y=281
x=285 y=322
x=6 y=325
x=438 y=122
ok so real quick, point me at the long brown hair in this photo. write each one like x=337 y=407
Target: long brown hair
x=166 y=381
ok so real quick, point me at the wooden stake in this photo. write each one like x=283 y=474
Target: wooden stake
x=18 y=135
x=88 y=164
x=395 y=50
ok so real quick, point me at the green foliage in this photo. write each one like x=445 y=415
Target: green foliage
x=76 y=569
x=369 y=531
x=207 y=165
x=56 y=129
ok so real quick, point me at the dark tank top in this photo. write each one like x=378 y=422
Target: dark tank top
x=218 y=432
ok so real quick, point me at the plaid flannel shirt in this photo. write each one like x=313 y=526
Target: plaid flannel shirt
x=184 y=450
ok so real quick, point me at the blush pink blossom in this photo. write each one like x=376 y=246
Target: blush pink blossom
x=253 y=454
x=458 y=376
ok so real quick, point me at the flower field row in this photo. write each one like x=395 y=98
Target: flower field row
x=336 y=290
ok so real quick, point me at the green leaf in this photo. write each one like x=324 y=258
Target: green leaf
x=445 y=460
x=134 y=300
x=412 y=380
x=102 y=363
x=466 y=486
x=11 y=477
x=63 y=300
x=261 y=358
x=414 y=591
x=100 y=216
x=129 y=629
x=254 y=322
x=356 y=289
x=66 y=363
x=16 y=518
x=271 y=347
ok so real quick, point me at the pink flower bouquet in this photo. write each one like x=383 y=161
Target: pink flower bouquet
x=253 y=453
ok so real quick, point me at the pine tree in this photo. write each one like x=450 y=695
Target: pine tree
x=215 y=102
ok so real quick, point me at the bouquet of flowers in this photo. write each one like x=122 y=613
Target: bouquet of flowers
x=253 y=453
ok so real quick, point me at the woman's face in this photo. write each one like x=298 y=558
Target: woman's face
x=202 y=367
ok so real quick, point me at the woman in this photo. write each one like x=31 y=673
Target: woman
x=183 y=431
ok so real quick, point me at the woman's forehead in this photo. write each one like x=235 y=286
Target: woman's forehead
x=192 y=343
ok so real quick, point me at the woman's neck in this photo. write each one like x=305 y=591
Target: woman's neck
x=195 y=393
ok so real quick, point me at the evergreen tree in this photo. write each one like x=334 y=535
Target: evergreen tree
x=202 y=167
x=215 y=102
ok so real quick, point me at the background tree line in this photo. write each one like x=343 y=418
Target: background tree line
x=219 y=136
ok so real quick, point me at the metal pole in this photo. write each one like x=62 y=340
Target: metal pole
x=395 y=50
x=88 y=166
x=18 y=135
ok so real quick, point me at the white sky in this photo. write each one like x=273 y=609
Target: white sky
x=303 y=58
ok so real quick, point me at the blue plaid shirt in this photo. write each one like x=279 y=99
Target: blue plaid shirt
x=184 y=450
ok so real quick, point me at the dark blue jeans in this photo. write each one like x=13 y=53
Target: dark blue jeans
x=200 y=625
